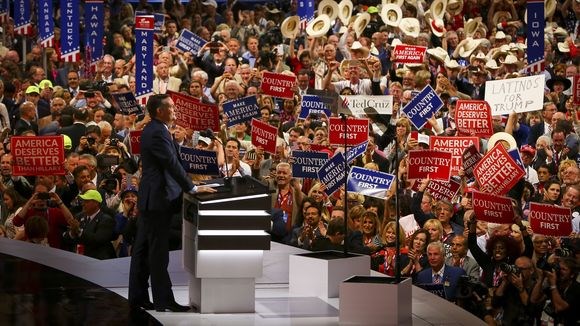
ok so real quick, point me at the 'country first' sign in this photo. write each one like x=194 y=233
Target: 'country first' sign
x=278 y=85
x=42 y=155
x=522 y=94
x=423 y=106
x=550 y=220
x=369 y=182
x=429 y=163
x=354 y=131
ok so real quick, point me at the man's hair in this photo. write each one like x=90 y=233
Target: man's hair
x=234 y=140
x=336 y=226
x=298 y=130
x=154 y=103
x=437 y=244
x=81 y=115
x=90 y=158
x=78 y=170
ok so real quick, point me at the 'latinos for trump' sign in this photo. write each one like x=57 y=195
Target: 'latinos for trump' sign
x=332 y=173
x=307 y=163
x=241 y=110
x=190 y=113
x=473 y=118
x=409 y=53
x=278 y=85
x=41 y=155
x=492 y=208
x=429 y=163
x=199 y=161
x=550 y=220
x=369 y=182
x=455 y=146
x=264 y=135
x=496 y=173
x=522 y=94
x=423 y=106
x=353 y=132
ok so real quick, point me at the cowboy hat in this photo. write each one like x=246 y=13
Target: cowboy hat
x=498 y=136
x=290 y=27
x=491 y=65
x=357 y=46
x=398 y=3
x=438 y=8
x=563 y=47
x=396 y=42
x=329 y=8
x=499 y=15
x=500 y=35
x=410 y=26
x=550 y=83
x=479 y=56
x=451 y=64
x=549 y=8
x=455 y=7
x=345 y=11
x=438 y=53
x=391 y=14
x=511 y=59
x=502 y=50
x=319 y=26
x=437 y=26
x=360 y=23
x=471 y=26
x=468 y=47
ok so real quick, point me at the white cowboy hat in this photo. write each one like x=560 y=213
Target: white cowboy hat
x=501 y=136
x=549 y=8
x=468 y=47
x=501 y=14
x=502 y=50
x=500 y=35
x=357 y=46
x=439 y=53
x=329 y=8
x=391 y=14
x=563 y=47
x=479 y=56
x=345 y=11
x=398 y=3
x=471 y=26
x=290 y=27
x=437 y=26
x=454 y=7
x=491 y=65
x=319 y=26
x=511 y=59
x=395 y=42
x=410 y=26
x=438 y=8
x=452 y=64
x=360 y=23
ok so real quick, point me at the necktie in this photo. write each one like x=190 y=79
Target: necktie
x=436 y=279
x=549 y=132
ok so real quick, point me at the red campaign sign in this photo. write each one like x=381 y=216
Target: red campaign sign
x=473 y=118
x=455 y=146
x=471 y=156
x=492 y=208
x=496 y=173
x=550 y=220
x=145 y=22
x=42 y=155
x=318 y=147
x=576 y=89
x=264 y=135
x=429 y=163
x=410 y=53
x=278 y=85
x=440 y=189
x=135 y=141
x=357 y=131
x=190 y=113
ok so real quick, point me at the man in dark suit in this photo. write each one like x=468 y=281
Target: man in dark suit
x=162 y=184
x=95 y=230
x=475 y=88
x=544 y=127
x=27 y=119
x=439 y=272
x=372 y=156
x=77 y=129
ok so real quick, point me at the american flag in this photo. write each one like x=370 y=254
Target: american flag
x=535 y=68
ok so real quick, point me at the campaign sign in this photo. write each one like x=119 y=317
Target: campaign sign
x=126 y=103
x=496 y=173
x=455 y=146
x=369 y=182
x=332 y=173
x=40 y=155
x=311 y=104
x=329 y=98
x=409 y=224
x=440 y=189
x=521 y=94
x=190 y=113
x=423 y=106
x=353 y=132
x=515 y=155
x=307 y=163
x=429 y=163
x=436 y=289
x=550 y=220
x=473 y=118
x=264 y=135
x=410 y=53
x=199 y=161
x=189 y=42
x=159 y=19
x=241 y=110
x=355 y=151
x=357 y=104
x=492 y=208
x=471 y=156
x=135 y=141
x=576 y=89
x=278 y=85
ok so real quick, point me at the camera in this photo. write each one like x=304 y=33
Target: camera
x=107 y=160
x=109 y=183
x=113 y=142
x=91 y=140
x=564 y=252
x=509 y=269
x=43 y=196
x=467 y=287
x=214 y=46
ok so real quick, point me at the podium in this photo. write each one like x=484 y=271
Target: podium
x=224 y=236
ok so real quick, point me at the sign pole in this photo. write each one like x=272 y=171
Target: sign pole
x=345 y=178
x=397 y=215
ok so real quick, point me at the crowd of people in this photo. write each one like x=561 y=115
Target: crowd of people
x=504 y=273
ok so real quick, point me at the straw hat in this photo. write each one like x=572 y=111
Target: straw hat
x=471 y=26
x=290 y=27
x=549 y=8
x=438 y=8
x=319 y=26
x=451 y=64
x=479 y=56
x=499 y=15
x=454 y=7
x=345 y=11
x=360 y=23
x=410 y=26
x=511 y=59
x=502 y=50
x=391 y=14
x=468 y=47
x=357 y=46
x=491 y=65
x=438 y=53
x=437 y=26
x=563 y=47
x=329 y=8
x=501 y=136
x=500 y=35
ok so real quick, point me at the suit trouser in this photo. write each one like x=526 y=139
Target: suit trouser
x=150 y=256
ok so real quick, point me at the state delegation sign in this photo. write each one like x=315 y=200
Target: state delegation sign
x=550 y=220
x=40 y=155
x=429 y=163
x=496 y=173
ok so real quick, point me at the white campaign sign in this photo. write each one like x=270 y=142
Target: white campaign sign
x=357 y=104
x=522 y=94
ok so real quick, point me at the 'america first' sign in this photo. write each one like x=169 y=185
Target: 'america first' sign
x=144 y=29
x=189 y=42
x=41 y=155
x=369 y=182
x=307 y=163
x=423 y=106
x=241 y=110
x=332 y=173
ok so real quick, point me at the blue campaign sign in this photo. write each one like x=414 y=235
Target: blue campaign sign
x=332 y=173
x=189 y=42
x=311 y=104
x=423 y=106
x=306 y=163
x=515 y=154
x=356 y=151
x=369 y=182
x=159 y=19
x=126 y=103
x=241 y=110
x=199 y=161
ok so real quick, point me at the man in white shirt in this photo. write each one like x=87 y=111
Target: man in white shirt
x=235 y=166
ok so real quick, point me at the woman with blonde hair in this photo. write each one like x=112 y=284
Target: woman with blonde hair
x=317 y=193
x=384 y=260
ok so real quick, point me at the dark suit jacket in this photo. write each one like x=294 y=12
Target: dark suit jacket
x=468 y=88
x=535 y=132
x=96 y=236
x=382 y=162
x=21 y=126
x=451 y=276
x=75 y=132
x=163 y=179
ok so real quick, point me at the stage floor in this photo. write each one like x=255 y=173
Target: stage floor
x=45 y=286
